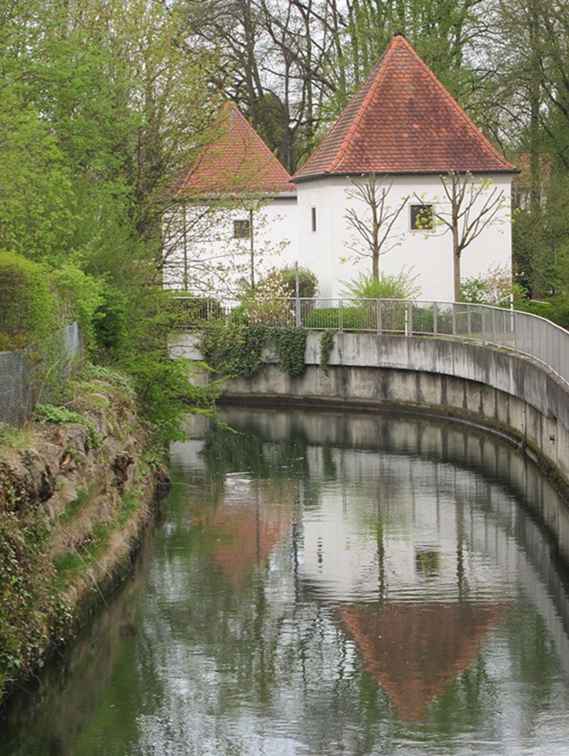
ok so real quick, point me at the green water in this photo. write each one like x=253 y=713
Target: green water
x=325 y=584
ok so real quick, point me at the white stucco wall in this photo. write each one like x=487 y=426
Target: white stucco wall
x=428 y=255
x=212 y=261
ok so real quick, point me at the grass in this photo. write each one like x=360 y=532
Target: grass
x=16 y=438
x=74 y=506
x=76 y=561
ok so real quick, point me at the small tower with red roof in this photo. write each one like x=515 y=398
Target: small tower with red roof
x=405 y=129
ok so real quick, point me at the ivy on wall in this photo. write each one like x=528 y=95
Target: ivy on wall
x=291 y=347
x=236 y=349
x=326 y=346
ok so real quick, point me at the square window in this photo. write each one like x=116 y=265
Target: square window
x=313 y=219
x=242 y=229
x=422 y=217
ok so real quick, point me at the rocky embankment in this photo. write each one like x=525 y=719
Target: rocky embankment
x=77 y=489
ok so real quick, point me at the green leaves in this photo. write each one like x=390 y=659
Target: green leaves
x=291 y=348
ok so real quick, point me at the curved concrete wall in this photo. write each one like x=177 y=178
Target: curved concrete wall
x=488 y=386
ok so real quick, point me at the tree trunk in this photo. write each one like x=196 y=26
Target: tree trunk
x=456 y=265
x=375 y=265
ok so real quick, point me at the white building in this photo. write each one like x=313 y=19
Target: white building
x=403 y=133
x=235 y=215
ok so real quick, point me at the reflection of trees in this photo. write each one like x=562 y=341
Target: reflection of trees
x=231 y=651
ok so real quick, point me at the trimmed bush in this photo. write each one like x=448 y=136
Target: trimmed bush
x=350 y=318
x=28 y=309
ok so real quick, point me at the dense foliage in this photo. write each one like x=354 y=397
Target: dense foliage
x=291 y=347
x=234 y=348
x=102 y=105
x=28 y=312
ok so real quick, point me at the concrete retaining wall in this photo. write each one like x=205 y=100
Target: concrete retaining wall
x=493 y=388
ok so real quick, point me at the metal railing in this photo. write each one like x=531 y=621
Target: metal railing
x=521 y=332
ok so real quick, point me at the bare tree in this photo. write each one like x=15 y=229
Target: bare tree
x=373 y=218
x=471 y=206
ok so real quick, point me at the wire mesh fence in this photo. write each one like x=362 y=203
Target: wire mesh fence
x=525 y=333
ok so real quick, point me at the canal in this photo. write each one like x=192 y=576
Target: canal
x=325 y=583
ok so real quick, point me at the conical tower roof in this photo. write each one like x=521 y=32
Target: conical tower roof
x=403 y=121
x=237 y=161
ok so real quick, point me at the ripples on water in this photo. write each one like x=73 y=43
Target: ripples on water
x=326 y=584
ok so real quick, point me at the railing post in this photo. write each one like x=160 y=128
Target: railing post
x=409 y=318
x=378 y=316
x=435 y=319
x=406 y=317
x=468 y=320
x=340 y=315
x=298 y=314
x=454 y=319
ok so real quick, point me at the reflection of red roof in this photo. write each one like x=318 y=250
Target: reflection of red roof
x=415 y=651
x=237 y=161
x=245 y=539
x=403 y=120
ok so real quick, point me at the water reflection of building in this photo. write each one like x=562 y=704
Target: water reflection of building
x=398 y=526
x=419 y=573
x=414 y=651
x=245 y=524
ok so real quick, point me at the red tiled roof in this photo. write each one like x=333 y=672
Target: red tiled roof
x=403 y=120
x=237 y=161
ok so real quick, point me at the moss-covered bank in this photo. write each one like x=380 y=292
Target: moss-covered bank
x=74 y=500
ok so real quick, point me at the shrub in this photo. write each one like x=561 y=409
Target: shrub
x=400 y=286
x=556 y=309
x=110 y=321
x=268 y=303
x=191 y=309
x=493 y=288
x=307 y=281
x=28 y=311
x=81 y=296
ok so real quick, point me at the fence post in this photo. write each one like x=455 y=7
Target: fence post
x=409 y=318
x=435 y=319
x=406 y=318
x=340 y=315
x=298 y=314
x=468 y=320
x=378 y=316
x=454 y=319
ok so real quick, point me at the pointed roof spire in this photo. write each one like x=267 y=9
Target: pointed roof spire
x=403 y=120
x=237 y=161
